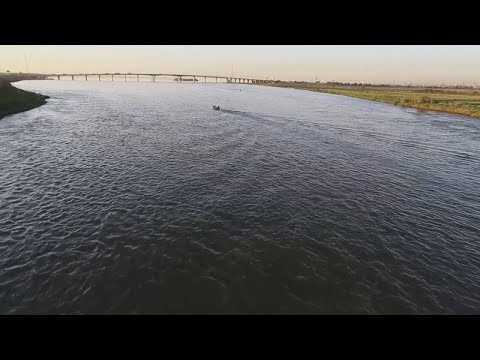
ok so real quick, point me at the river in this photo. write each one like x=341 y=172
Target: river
x=139 y=198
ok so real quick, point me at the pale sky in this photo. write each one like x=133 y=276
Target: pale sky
x=359 y=63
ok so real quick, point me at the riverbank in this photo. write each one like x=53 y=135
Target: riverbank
x=14 y=100
x=455 y=101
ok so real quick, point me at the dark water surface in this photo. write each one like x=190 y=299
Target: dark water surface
x=139 y=198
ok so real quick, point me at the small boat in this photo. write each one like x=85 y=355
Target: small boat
x=216 y=107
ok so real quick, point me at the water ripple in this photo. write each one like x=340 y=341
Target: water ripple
x=138 y=198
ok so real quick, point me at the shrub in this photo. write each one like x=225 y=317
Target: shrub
x=425 y=100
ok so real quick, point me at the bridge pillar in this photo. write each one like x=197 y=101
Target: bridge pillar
x=86 y=77
x=72 y=78
x=194 y=79
x=216 y=80
x=58 y=77
x=205 y=79
x=125 y=78
x=138 y=77
x=112 y=77
x=153 y=78
x=99 y=78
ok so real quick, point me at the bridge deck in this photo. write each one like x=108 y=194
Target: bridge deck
x=158 y=74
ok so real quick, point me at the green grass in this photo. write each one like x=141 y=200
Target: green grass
x=13 y=100
x=456 y=101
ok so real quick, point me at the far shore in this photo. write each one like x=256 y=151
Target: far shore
x=462 y=101
x=457 y=100
x=14 y=100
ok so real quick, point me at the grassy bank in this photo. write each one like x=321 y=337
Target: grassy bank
x=456 y=101
x=13 y=100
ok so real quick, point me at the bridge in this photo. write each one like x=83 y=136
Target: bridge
x=177 y=77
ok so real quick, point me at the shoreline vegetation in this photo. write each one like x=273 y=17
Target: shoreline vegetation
x=458 y=100
x=14 y=100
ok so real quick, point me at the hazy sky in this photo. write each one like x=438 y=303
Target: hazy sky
x=421 y=64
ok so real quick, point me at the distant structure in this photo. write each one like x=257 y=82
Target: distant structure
x=187 y=79
x=177 y=77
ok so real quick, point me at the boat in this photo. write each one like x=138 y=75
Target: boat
x=216 y=107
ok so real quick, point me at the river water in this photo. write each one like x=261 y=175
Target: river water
x=139 y=198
